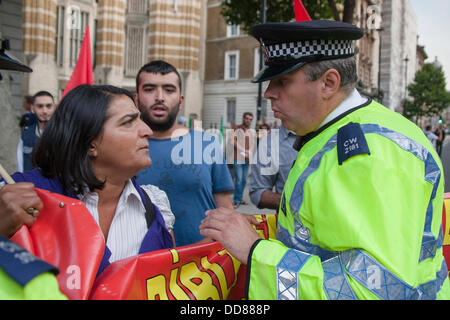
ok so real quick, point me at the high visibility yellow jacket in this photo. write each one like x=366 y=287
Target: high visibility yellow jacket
x=360 y=216
x=24 y=276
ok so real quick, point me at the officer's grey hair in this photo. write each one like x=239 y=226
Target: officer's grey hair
x=346 y=68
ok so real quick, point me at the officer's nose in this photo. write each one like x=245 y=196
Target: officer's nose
x=270 y=91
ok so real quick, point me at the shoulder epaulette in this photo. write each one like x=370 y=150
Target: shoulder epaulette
x=351 y=142
x=20 y=264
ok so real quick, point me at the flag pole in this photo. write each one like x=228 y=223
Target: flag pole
x=261 y=63
x=6 y=176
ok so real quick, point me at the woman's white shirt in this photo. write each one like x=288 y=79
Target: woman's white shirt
x=129 y=226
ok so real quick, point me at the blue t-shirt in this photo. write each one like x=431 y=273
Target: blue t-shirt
x=190 y=169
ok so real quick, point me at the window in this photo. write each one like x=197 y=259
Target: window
x=137 y=6
x=232 y=30
x=59 y=35
x=76 y=34
x=231 y=110
x=231 y=65
x=134 y=54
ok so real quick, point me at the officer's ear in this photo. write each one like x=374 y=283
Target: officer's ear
x=331 y=82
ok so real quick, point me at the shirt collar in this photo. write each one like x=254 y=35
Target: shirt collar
x=285 y=133
x=352 y=100
x=128 y=191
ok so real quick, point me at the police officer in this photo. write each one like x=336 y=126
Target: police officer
x=22 y=275
x=25 y=277
x=361 y=211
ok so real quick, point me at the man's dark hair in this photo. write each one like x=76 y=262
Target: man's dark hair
x=247 y=113
x=28 y=99
x=157 y=66
x=62 y=152
x=42 y=94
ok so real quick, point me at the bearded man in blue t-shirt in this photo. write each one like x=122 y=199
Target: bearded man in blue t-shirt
x=187 y=164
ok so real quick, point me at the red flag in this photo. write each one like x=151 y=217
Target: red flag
x=300 y=12
x=82 y=73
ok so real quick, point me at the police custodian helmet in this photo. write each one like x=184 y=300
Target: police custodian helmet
x=7 y=62
x=289 y=45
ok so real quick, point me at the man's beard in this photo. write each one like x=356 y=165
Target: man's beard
x=157 y=124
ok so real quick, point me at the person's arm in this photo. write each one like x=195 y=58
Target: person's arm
x=173 y=238
x=260 y=188
x=223 y=200
x=270 y=200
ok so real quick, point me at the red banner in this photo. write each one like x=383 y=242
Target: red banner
x=66 y=235
x=446 y=229
x=200 y=272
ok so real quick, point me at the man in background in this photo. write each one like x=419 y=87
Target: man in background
x=243 y=146
x=43 y=106
x=179 y=167
x=28 y=118
x=261 y=187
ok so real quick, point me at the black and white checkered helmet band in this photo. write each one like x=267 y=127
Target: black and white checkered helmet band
x=307 y=48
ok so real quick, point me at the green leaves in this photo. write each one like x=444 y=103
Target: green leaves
x=248 y=12
x=428 y=92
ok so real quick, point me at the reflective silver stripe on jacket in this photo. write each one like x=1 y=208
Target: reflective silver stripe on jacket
x=287 y=274
x=359 y=264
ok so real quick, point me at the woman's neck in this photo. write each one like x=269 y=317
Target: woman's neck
x=108 y=199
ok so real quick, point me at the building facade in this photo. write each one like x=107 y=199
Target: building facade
x=398 y=51
x=367 y=16
x=217 y=61
x=125 y=34
x=232 y=60
x=11 y=95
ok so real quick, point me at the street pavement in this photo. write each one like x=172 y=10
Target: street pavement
x=249 y=207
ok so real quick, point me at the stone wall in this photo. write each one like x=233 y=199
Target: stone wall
x=11 y=90
x=9 y=127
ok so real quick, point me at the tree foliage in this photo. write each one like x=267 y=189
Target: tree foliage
x=428 y=93
x=248 y=12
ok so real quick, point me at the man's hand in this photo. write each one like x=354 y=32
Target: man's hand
x=15 y=200
x=232 y=229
